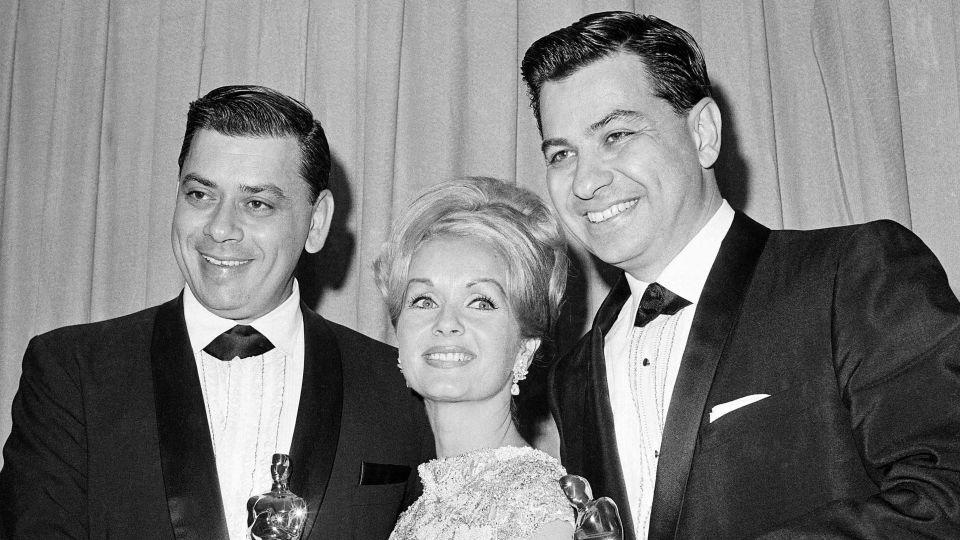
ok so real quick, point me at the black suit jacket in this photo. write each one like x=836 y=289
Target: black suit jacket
x=855 y=335
x=110 y=435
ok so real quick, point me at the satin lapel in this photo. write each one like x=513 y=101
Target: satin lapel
x=716 y=315
x=186 y=452
x=317 y=431
x=600 y=459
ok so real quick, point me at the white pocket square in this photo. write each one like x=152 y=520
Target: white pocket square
x=719 y=410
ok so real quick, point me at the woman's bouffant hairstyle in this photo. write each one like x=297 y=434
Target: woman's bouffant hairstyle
x=511 y=220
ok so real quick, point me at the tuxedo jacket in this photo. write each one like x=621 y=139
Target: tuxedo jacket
x=854 y=334
x=110 y=436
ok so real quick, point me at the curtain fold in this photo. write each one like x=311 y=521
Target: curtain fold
x=834 y=112
x=853 y=49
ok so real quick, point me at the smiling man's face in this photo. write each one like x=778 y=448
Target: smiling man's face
x=623 y=168
x=242 y=219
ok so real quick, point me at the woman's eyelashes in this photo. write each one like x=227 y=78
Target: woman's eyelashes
x=480 y=302
x=483 y=302
x=421 y=302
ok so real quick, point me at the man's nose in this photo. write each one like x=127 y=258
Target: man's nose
x=448 y=322
x=591 y=175
x=223 y=224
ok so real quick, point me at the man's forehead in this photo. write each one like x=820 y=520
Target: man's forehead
x=613 y=86
x=265 y=145
x=613 y=74
x=246 y=160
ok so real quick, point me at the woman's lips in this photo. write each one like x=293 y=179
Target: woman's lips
x=447 y=357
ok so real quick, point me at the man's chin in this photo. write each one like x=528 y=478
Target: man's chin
x=611 y=249
x=228 y=307
x=622 y=258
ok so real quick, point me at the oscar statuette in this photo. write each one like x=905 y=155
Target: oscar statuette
x=597 y=519
x=278 y=514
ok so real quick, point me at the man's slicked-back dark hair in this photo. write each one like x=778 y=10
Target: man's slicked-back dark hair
x=672 y=58
x=258 y=111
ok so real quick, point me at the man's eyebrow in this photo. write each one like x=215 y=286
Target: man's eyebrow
x=556 y=141
x=616 y=114
x=272 y=189
x=193 y=177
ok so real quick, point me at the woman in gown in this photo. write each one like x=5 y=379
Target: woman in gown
x=473 y=274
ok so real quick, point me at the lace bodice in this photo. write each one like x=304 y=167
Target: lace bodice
x=501 y=493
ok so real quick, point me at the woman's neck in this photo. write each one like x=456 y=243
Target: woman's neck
x=462 y=427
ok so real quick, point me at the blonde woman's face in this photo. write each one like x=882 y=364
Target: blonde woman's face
x=458 y=336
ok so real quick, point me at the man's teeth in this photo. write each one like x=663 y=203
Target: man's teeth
x=448 y=357
x=597 y=217
x=218 y=262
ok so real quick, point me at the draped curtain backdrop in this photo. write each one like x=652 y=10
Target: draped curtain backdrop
x=835 y=112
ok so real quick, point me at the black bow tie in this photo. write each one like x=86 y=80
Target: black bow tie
x=241 y=341
x=656 y=300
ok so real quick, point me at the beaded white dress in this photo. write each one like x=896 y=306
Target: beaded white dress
x=500 y=493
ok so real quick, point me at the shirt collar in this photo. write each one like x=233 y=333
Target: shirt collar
x=686 y=274
x=279 y=326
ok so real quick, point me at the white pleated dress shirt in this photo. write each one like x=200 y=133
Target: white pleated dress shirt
x=642 y=363
x=251 y=403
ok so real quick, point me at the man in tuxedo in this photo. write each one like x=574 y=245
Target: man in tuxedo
x=737 y=381
x=162 y=423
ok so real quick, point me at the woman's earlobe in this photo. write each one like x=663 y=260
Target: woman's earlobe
x=529 y=348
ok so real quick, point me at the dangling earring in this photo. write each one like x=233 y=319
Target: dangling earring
x=519 y=374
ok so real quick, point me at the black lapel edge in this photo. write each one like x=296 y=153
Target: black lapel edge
x=608 y=471
x=317 y=431
x=186 y=452
x=717 y=313
x=580 y=404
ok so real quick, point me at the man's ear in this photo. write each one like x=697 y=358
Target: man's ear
x=705 y=126
x=320 y=222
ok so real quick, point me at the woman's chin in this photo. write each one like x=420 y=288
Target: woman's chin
x=445 y=395
x=443 y=387
x=460 y=393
